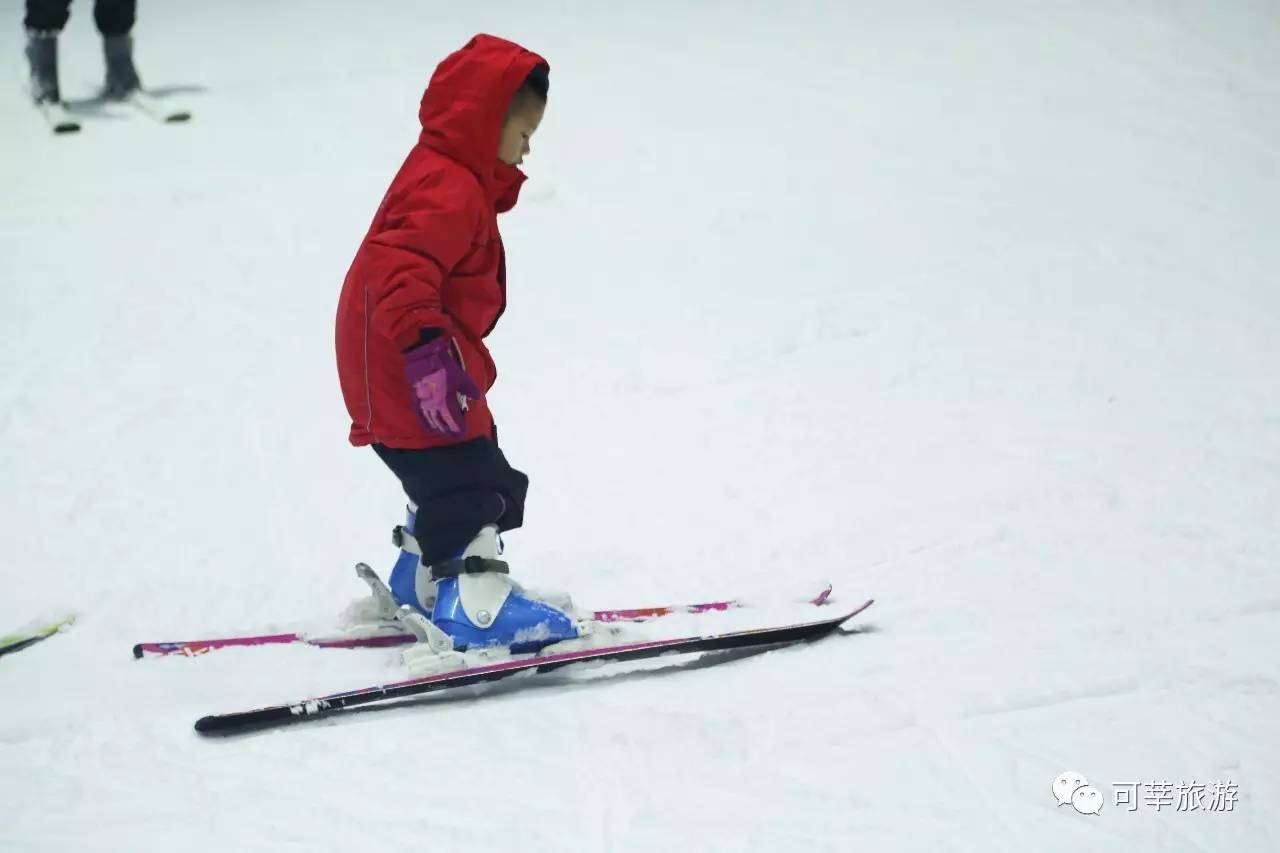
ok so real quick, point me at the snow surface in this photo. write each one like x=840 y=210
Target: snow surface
x=972 y=308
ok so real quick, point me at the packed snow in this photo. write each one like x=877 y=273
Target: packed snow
x=970 y=308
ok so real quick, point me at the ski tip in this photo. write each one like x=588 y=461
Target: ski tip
x=137 y=651
x=220 y=725
x=245 y=722
x=177 y=118
x=61 y=622
x=60 y=121
x=213 y=727
x=861 y=607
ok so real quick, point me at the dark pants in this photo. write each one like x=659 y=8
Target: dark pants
x=458 y=489
x=113 y=17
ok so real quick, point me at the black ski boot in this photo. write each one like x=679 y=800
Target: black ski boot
x=122 y=78
x=42 y=55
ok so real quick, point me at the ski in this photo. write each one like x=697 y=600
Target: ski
x=155 y=108
x=60 y=121
x=323 y=706
x=191 y=648
x=33 y=632
x=389 y=635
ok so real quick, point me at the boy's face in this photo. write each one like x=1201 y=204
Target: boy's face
x=521 y=123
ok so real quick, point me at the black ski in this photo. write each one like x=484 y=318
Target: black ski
x=60 y=121
x=155 y=108
x=758 y=638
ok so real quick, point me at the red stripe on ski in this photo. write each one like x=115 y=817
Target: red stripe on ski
x=199 y=647
x=321 y=706
x=640 y=614
x=190 y=648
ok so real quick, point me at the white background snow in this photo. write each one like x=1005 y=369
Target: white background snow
x=972 y=308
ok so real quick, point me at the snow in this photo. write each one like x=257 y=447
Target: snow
x=972 y=308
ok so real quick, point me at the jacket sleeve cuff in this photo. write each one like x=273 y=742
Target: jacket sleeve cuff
x=412 y=327
x=425 y=336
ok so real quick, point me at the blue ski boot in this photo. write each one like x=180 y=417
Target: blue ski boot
x=404 y=574
x=472 y=599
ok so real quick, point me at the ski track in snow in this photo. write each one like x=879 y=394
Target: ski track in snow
x=968 y=308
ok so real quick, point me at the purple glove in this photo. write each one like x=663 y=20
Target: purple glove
x=440 y=387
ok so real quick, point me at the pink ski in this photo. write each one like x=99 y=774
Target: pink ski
x=636 y=614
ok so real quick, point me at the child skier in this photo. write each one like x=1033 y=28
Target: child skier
x=427 y=285
x=44 y=21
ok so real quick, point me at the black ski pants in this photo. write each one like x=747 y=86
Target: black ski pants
x=113 y=17
x=458 y=488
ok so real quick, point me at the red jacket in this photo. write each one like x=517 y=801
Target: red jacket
x=433 y=256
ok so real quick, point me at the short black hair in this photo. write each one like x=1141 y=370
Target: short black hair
x=539 y=81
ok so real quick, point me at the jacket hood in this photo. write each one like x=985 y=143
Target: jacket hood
x=466 y=102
